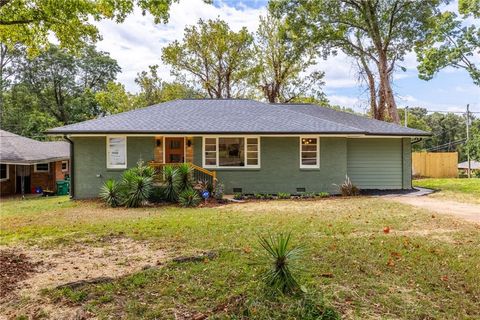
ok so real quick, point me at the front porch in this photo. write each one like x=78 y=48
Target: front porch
x=174 y=151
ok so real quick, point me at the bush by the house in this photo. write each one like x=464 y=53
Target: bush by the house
x=218 y=191
x=307 y=195
x=137 y=185
x=111 y=193
x=323 y=194
x=172 y=183
x=133 y=190
x=239 y=196
x=189 y=198
x=185 y=177
x=283 y=195
x=281 y=259
x=347 y=188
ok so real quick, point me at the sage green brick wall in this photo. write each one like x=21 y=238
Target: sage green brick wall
x=90 y=160
x=280 y=167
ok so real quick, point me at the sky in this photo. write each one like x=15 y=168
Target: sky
x=137 y=43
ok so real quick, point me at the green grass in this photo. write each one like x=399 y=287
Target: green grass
x=427 y=267
x=465 y=190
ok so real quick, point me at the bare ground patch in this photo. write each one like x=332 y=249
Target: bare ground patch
x=466 y=211
x=81 y=261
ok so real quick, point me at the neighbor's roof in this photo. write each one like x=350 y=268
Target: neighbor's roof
x=225 y=116
x=15 y=149
x=474 y=165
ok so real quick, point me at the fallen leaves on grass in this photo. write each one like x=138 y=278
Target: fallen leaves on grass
x=14 y=267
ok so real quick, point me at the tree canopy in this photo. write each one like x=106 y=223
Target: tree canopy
x=377 y=33
x=281 y=64
x=212 y=58
x=30 y=22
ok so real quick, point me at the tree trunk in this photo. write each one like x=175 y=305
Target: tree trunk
x=386 y=87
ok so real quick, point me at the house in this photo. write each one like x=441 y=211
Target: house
x=27 y=165
x=474 y=166
x=249 y=146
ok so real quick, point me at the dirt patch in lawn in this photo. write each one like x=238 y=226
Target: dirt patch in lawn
x=14 y=268
x=114 y=257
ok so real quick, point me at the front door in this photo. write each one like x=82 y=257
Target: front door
x=174 y=150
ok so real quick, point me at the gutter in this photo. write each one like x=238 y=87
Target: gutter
x=72 y=163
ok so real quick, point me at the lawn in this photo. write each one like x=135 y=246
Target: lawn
x=464 y=190
x=426 y=267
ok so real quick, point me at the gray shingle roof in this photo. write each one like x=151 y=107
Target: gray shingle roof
x=203 y=116
x=15 y=149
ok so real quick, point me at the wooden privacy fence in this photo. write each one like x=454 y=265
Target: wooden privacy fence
x=435 y=164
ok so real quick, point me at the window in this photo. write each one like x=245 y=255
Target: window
x=42 y=167
x=64 y=166
x=231 y=152
x=309 y=152
x=116 y=152
x=4 y=172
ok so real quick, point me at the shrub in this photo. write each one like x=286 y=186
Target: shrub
x=172 y=183
x=268 y=196
x=158 y=194
x=259 y=196
x=307 y=195
x=189 y=198
x=281 y=258
x=137 y=188
x=111 y=193
x=283 y=195
x=238 y=196
x=347 y=188
x=143 y=170
x=218 y=191
x=323 y=194
x=185 y=177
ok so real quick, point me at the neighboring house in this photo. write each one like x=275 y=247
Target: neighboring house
x=250 y=146
x=29 y=164
x=474 y=166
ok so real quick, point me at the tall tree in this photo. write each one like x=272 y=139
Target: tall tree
x=451 y=42
x=280 y=63
x=213 y=58
x=154 y=90
x=64 y=85
x=377 y=33
x=30 y=22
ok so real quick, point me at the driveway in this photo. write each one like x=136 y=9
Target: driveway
x=466 y=211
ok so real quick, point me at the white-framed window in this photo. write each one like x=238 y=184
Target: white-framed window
x=231 y=152
x=64 y=166
x=309 y=152
x=4 y=172
x=42 y=167
x=116 y=152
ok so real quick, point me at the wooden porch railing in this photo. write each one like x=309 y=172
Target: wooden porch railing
x=199 y=173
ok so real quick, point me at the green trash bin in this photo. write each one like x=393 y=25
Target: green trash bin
x=62 y=187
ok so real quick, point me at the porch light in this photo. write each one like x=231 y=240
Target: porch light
x=189 y=143
x=159 y=142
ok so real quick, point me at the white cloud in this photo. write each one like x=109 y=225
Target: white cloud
x=137 y=42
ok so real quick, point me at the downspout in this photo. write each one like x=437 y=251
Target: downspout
x=72 y=162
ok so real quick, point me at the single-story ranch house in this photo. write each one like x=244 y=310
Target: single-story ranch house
x=249 y=146
x=28 y=165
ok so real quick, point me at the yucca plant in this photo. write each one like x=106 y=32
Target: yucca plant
x=189 y=198
x=282 y=258
x=185 y=173
x=172 y=183
x=111 y=193
x=137 y=188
